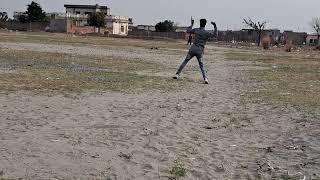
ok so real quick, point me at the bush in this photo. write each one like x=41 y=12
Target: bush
x=288 y=46
x=266 y=41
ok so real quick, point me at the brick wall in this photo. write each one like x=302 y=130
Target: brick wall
x=72 y=28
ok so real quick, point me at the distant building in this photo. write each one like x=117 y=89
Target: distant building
x=297 y=38
x=79 y=15
x=146 y=28
x=86 y=9
x=182 y=29
x=312 y=39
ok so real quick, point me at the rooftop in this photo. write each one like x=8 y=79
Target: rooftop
x=85 y=6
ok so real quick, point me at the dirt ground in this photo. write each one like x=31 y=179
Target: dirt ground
x=188 y=131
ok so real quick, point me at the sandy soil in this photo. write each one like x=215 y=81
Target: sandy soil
x=122 y=136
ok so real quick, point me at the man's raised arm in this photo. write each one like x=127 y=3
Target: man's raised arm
x=215 y=32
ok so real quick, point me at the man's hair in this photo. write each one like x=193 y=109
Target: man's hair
x=203 y=22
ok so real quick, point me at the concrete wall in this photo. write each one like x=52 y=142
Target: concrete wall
x=146 y=27
x=238 y=36
x=58 y=25
x=33 y=26
x=151 y=34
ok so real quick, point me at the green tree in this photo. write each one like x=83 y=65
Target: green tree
x=23 y=18
x=256 y=26
x=165 y=26
x=3 y=16
x=35 y=13
x=97 y=20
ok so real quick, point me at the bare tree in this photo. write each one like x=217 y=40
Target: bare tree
x=257 y=26
x=315 y=24
x=3 y=16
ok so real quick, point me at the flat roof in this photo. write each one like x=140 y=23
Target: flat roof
x=85 y=6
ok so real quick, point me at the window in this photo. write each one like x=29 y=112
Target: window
x=311 y=41
x=122 y=28
x=77 y=12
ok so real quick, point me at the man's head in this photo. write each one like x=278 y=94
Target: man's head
x=203 y=22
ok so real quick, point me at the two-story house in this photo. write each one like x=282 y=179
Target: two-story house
x=79 y=15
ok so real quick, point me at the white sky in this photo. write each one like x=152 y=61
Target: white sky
x=282 y=14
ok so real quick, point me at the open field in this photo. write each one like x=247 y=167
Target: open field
x=105 y=108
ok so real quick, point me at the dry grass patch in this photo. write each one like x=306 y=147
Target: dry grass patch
x=51 y=38
x=289 y=79
x=63 y=73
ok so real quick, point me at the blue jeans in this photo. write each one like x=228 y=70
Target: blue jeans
x=197 y=52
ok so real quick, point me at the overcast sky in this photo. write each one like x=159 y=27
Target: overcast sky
x=282 y=14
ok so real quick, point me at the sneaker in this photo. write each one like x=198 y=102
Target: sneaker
x=176 y=76
x=206 y=81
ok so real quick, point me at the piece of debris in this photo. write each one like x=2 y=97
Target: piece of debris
x=207 y=127
x=291 y=147
x=269 y=149
x=125 y=156
x=178 y=107
x=147 y=132
x=95 y=156
x=265 y=167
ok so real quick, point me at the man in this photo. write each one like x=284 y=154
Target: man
x=201 y=36
x=190 y=39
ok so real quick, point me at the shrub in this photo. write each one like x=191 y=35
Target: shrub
x=266 y=41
